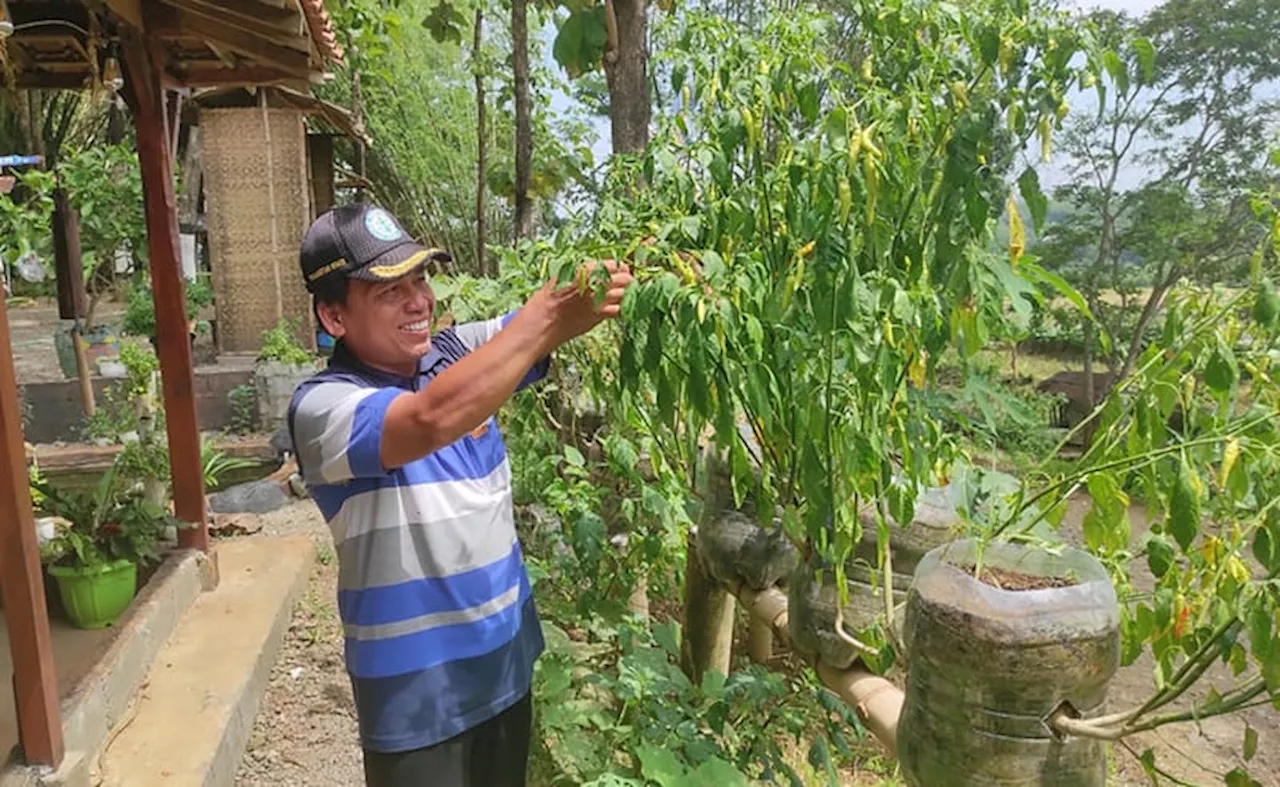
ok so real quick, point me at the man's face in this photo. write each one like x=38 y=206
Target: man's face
x=386 y=324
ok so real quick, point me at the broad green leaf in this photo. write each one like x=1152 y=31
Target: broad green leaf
x=574 y=457
x=660 y=765
x=715 y=772
x=1250 y=742
x=713 y=684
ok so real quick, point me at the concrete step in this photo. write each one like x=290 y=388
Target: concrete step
x=193 y=715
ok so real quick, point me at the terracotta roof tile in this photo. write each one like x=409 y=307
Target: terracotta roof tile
x=322 y=30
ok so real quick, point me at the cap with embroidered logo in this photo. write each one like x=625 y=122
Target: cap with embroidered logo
x=360 y=241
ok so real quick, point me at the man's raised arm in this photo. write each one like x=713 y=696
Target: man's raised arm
x=473 y=389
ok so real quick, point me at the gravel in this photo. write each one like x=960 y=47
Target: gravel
x=305 y=733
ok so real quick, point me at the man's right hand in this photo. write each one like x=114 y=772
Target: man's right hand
x=572 y=311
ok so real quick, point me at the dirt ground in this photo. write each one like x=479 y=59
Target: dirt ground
x=305 y=733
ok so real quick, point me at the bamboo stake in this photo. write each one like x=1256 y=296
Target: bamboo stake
x=876 y=700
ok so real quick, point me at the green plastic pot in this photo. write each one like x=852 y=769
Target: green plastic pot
x=94 y=597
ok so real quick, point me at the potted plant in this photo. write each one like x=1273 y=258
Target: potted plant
x=104 y=536
x=282 y=364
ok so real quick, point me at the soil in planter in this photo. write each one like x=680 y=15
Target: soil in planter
x=1007 y=579
x=985 y=668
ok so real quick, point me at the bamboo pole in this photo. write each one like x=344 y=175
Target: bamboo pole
x=876 y=700
x=708 y=627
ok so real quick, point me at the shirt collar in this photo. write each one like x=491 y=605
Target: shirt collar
x=343 y=359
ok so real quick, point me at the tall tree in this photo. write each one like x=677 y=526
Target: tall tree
x=524 y=226
x=626 y=68
x=477 y=64
x=1183 y=103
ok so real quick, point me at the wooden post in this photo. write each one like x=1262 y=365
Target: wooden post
x=320 y=154
x=146 y=99
x=35 y=683
x=708 y=621
x=73 y=300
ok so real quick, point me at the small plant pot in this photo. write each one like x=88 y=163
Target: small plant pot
x=274 y=383
x=735 y=550
x=812 y=599
x=95 y=597
x=934 y=523
x=987 y=666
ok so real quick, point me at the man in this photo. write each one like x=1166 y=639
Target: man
x=398 y=442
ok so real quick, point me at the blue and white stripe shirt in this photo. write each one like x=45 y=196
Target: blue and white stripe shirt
x=441 y=632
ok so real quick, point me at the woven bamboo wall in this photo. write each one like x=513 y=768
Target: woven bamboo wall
x=248 y=186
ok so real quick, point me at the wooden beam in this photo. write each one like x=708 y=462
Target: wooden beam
x=35 y=682
x=128 y=11
x=271 y=47
x=43 y=80
x=244 y=76
x=172 y=337
x=262 y=15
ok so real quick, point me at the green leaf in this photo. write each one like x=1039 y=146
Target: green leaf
x=1240 y=778
x=574 y=457
x=1221 y=372
x=1107 y=523
x=1266 y=545
x=667 y=635
x=660 y=765
x=1148 y=760
x=1146 y=59
x=1260 y=633
x=1116 y=68
x=715 y=772
x=1037 y=202
x=1160 y=555
x=1250 y=742
x=713 y=684
x=1184 y=507
x=445 y=22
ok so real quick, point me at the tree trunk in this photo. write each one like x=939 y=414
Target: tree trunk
x=524 y=126
x=1149 y=310
x=482 y=266
x=625 y=69
x=1090 y=397
x=708 y=621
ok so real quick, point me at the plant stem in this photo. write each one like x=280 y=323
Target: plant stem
x=1133 y=462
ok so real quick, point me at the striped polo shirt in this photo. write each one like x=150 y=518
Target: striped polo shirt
x=440 y=627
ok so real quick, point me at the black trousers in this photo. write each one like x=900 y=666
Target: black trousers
x=492 y=754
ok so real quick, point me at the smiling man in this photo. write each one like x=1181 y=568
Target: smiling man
x=398 y=443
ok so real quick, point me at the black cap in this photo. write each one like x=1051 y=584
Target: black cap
x=360 y=241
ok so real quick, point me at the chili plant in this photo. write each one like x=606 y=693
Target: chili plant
x=809 y=239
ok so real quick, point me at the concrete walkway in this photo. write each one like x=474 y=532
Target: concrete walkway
x=192 y=717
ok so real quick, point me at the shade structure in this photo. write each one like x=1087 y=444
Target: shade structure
x=152 y=52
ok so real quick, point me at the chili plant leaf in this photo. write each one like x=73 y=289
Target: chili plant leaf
x=1184 y=507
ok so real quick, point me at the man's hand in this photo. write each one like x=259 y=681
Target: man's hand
x=572 y=311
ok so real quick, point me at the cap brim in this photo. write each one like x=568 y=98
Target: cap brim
x=398 y=263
